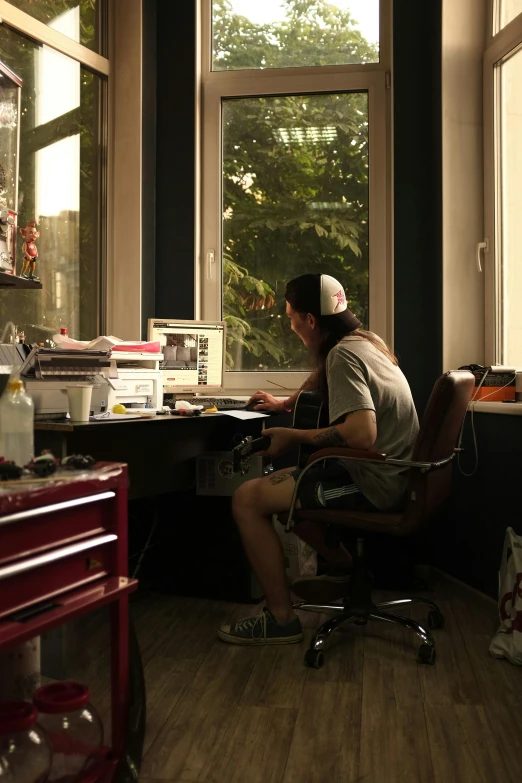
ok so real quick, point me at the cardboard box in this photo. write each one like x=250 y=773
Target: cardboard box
x=215 y=474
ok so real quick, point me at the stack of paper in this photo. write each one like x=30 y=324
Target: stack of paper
x=109 y=343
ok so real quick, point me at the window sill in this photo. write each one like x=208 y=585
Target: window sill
x=509 y=408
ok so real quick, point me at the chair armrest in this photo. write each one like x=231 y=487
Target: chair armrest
x=362 y=456
x=337 y=452
x=366 y=455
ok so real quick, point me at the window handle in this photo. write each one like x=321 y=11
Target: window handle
x=211 y=260
x=481 y=246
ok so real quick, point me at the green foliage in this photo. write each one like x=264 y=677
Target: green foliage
x=243 y=293
x=295 y=178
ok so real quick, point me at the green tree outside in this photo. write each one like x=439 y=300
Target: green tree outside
x=295 y=178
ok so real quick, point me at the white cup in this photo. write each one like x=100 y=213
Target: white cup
x=80 y=396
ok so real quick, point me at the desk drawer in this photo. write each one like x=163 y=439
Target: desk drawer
x=37 y=579
x=35 y=530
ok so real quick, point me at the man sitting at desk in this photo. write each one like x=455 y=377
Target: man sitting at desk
x=370 y=406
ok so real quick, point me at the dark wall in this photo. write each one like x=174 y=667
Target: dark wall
x=468 y=534
x=418 y=192
x=175 y=156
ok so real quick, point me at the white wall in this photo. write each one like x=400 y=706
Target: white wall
x=464 y=26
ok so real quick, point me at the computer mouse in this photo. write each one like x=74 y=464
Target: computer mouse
x=252 y=407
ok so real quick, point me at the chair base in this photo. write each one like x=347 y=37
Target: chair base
x=348 y=612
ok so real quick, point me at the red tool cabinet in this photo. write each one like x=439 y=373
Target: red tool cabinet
x=63 y=553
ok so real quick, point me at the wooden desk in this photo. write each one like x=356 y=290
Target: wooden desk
x=152 y=448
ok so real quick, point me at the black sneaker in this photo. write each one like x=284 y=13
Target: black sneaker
x=262 y=629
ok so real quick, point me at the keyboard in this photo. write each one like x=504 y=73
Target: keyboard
x=221 y=403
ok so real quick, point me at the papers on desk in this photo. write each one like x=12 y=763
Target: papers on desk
x=244 y=414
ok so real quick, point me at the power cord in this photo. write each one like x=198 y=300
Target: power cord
x=475 y=445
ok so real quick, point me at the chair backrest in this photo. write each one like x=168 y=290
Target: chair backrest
x=437 y=439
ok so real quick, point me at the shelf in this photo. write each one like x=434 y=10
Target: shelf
x=71 y=606
x=13 y=281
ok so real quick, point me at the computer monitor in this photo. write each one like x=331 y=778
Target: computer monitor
x=193 y=354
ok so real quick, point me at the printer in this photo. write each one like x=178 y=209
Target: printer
x=47 y=372
x=135 y=380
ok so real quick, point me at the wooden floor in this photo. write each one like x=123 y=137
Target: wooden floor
x=225 y=714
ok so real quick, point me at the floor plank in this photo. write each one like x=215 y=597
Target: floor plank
x=167 y=680
x=255 y=747
x=394 y=741
x=461 y=745
x=198 y=724
x=452 y=680
x=325 y=745
x=226 y=714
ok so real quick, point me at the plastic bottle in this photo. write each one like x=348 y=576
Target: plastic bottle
x=16 y=423
x=61 y=337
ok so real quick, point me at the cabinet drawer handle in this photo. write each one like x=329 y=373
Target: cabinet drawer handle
x=37 y=512
x=51 y=557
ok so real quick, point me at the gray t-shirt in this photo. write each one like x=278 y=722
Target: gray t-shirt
x=361 y=377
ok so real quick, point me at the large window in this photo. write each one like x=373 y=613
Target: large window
x=294 y=130
x=504 y=13
x=61 y=176
x=503 y=190
x=84 y=21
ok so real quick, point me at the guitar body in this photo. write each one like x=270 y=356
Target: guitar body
x=310 y=413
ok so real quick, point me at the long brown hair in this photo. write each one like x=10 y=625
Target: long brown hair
x=331 y=331
x=332 y=328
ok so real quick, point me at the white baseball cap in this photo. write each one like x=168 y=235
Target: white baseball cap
x=321 y=295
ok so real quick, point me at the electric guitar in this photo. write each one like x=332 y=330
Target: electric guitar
x=309 y=413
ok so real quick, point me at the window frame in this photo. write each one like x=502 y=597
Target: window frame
x=499 y=47
x=373 y=78
x=120 y=259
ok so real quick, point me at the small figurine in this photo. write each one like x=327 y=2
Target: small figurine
x=30 y=234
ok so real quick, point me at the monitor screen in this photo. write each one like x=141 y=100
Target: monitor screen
x=193 y=354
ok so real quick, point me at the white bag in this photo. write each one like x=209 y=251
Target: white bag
x=300 y=558
x=507 y=642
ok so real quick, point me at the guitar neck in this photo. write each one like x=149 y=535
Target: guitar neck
x=309 y=413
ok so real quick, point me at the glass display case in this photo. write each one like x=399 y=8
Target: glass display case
x=10 y=91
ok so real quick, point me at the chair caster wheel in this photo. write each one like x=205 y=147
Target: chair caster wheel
x=314 y=659
x=426 y=654
x=435 y=619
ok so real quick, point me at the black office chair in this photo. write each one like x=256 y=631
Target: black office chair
x=429 y=485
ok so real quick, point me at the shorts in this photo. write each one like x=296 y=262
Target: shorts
x=330 y=486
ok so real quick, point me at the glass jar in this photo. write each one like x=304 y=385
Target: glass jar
x=73 y=728
x=25 y=753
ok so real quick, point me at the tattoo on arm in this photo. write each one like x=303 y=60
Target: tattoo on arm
x=373 y=417
x=279 y=478
x=330 y=437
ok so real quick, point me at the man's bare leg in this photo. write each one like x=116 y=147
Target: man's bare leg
x=253 y=505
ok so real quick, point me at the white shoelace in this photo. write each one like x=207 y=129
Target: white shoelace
x=252 y=623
